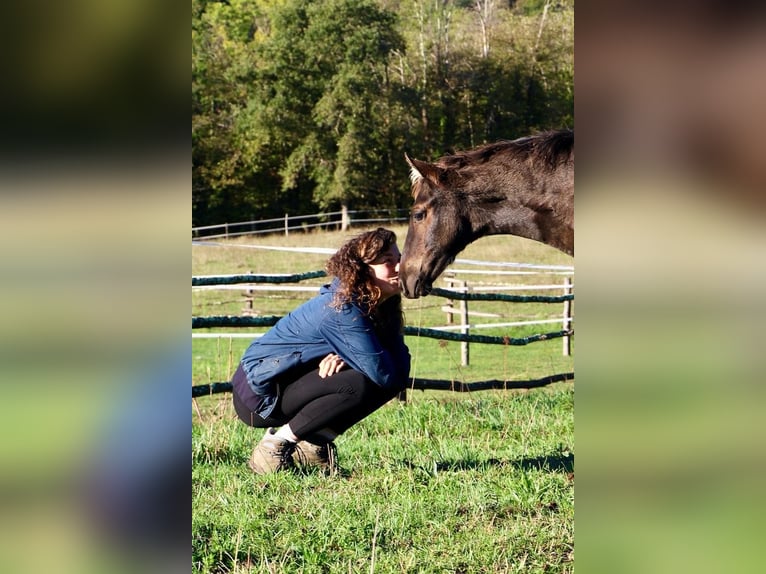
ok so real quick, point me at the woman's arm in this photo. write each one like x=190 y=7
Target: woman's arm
x=352 y=337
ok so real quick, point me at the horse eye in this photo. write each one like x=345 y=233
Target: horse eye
x=419 y=216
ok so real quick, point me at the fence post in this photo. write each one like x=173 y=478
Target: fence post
x=450 y=305
x=287 y=224
x=249 y=309
x=567 y=318
x=464 y=351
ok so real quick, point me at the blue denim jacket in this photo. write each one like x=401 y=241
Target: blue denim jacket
x=310 y=332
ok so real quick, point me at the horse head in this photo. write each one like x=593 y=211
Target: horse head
x=437 y=231
x=523 y=187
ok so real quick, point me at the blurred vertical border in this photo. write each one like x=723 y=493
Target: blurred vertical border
x=670 y=248
x=94 y=224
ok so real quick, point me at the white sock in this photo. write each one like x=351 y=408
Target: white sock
x=286 y=433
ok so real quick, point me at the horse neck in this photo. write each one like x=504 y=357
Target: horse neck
x=532 y=217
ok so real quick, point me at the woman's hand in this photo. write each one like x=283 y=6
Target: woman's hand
x=330 y=365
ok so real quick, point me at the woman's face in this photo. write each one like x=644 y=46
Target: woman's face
x=385 y=271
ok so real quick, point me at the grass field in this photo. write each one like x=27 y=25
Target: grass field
x=446 y=482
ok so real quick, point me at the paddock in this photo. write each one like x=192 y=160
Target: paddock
x=481 y=466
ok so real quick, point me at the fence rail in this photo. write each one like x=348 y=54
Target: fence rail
x=424 y=384
x=271 y=320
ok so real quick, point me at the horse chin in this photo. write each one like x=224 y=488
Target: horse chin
x=410 y=288
x=438 y=268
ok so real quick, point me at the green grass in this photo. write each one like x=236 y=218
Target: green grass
x=481 y=483
x=446 y=482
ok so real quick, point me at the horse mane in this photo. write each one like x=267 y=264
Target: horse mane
x=548 y=148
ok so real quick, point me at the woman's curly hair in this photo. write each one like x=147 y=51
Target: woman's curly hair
x=350 y=264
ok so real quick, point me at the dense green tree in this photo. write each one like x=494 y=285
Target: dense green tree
x=227 y=184
x=324 y=101
x=299 y=106
x=483 y=73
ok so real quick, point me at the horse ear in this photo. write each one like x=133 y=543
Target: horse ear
x=422 y=170
x=415 y=175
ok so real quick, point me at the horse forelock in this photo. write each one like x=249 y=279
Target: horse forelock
x=422 y=189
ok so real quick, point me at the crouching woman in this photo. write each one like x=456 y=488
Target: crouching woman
x=329 y=363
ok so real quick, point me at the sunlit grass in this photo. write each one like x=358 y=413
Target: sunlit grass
x=482 y=483
x=444 y=482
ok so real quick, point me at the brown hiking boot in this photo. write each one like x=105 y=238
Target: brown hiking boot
x=272 y=454
x=324 y=456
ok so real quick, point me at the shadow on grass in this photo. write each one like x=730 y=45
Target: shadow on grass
x=563 y=463
x=214 y=455
x=551 y=463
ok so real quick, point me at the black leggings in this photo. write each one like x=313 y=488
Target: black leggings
x=312 y=403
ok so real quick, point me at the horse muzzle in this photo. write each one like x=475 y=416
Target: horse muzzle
x=414 y=287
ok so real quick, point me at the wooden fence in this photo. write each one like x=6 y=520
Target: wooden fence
x=465 y=326
x=335 y=220
x=463 y=295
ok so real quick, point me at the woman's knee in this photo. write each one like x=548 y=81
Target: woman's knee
x=354 y=383
x=243 y=413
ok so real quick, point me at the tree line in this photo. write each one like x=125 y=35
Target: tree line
x=300 y=106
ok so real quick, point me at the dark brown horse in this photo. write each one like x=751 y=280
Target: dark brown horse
x=523 y=187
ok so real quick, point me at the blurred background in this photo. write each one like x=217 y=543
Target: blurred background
x=94 y=225
x=670 y=249
x=95 y=210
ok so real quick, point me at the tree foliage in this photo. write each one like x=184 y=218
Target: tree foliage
x=299 y=106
